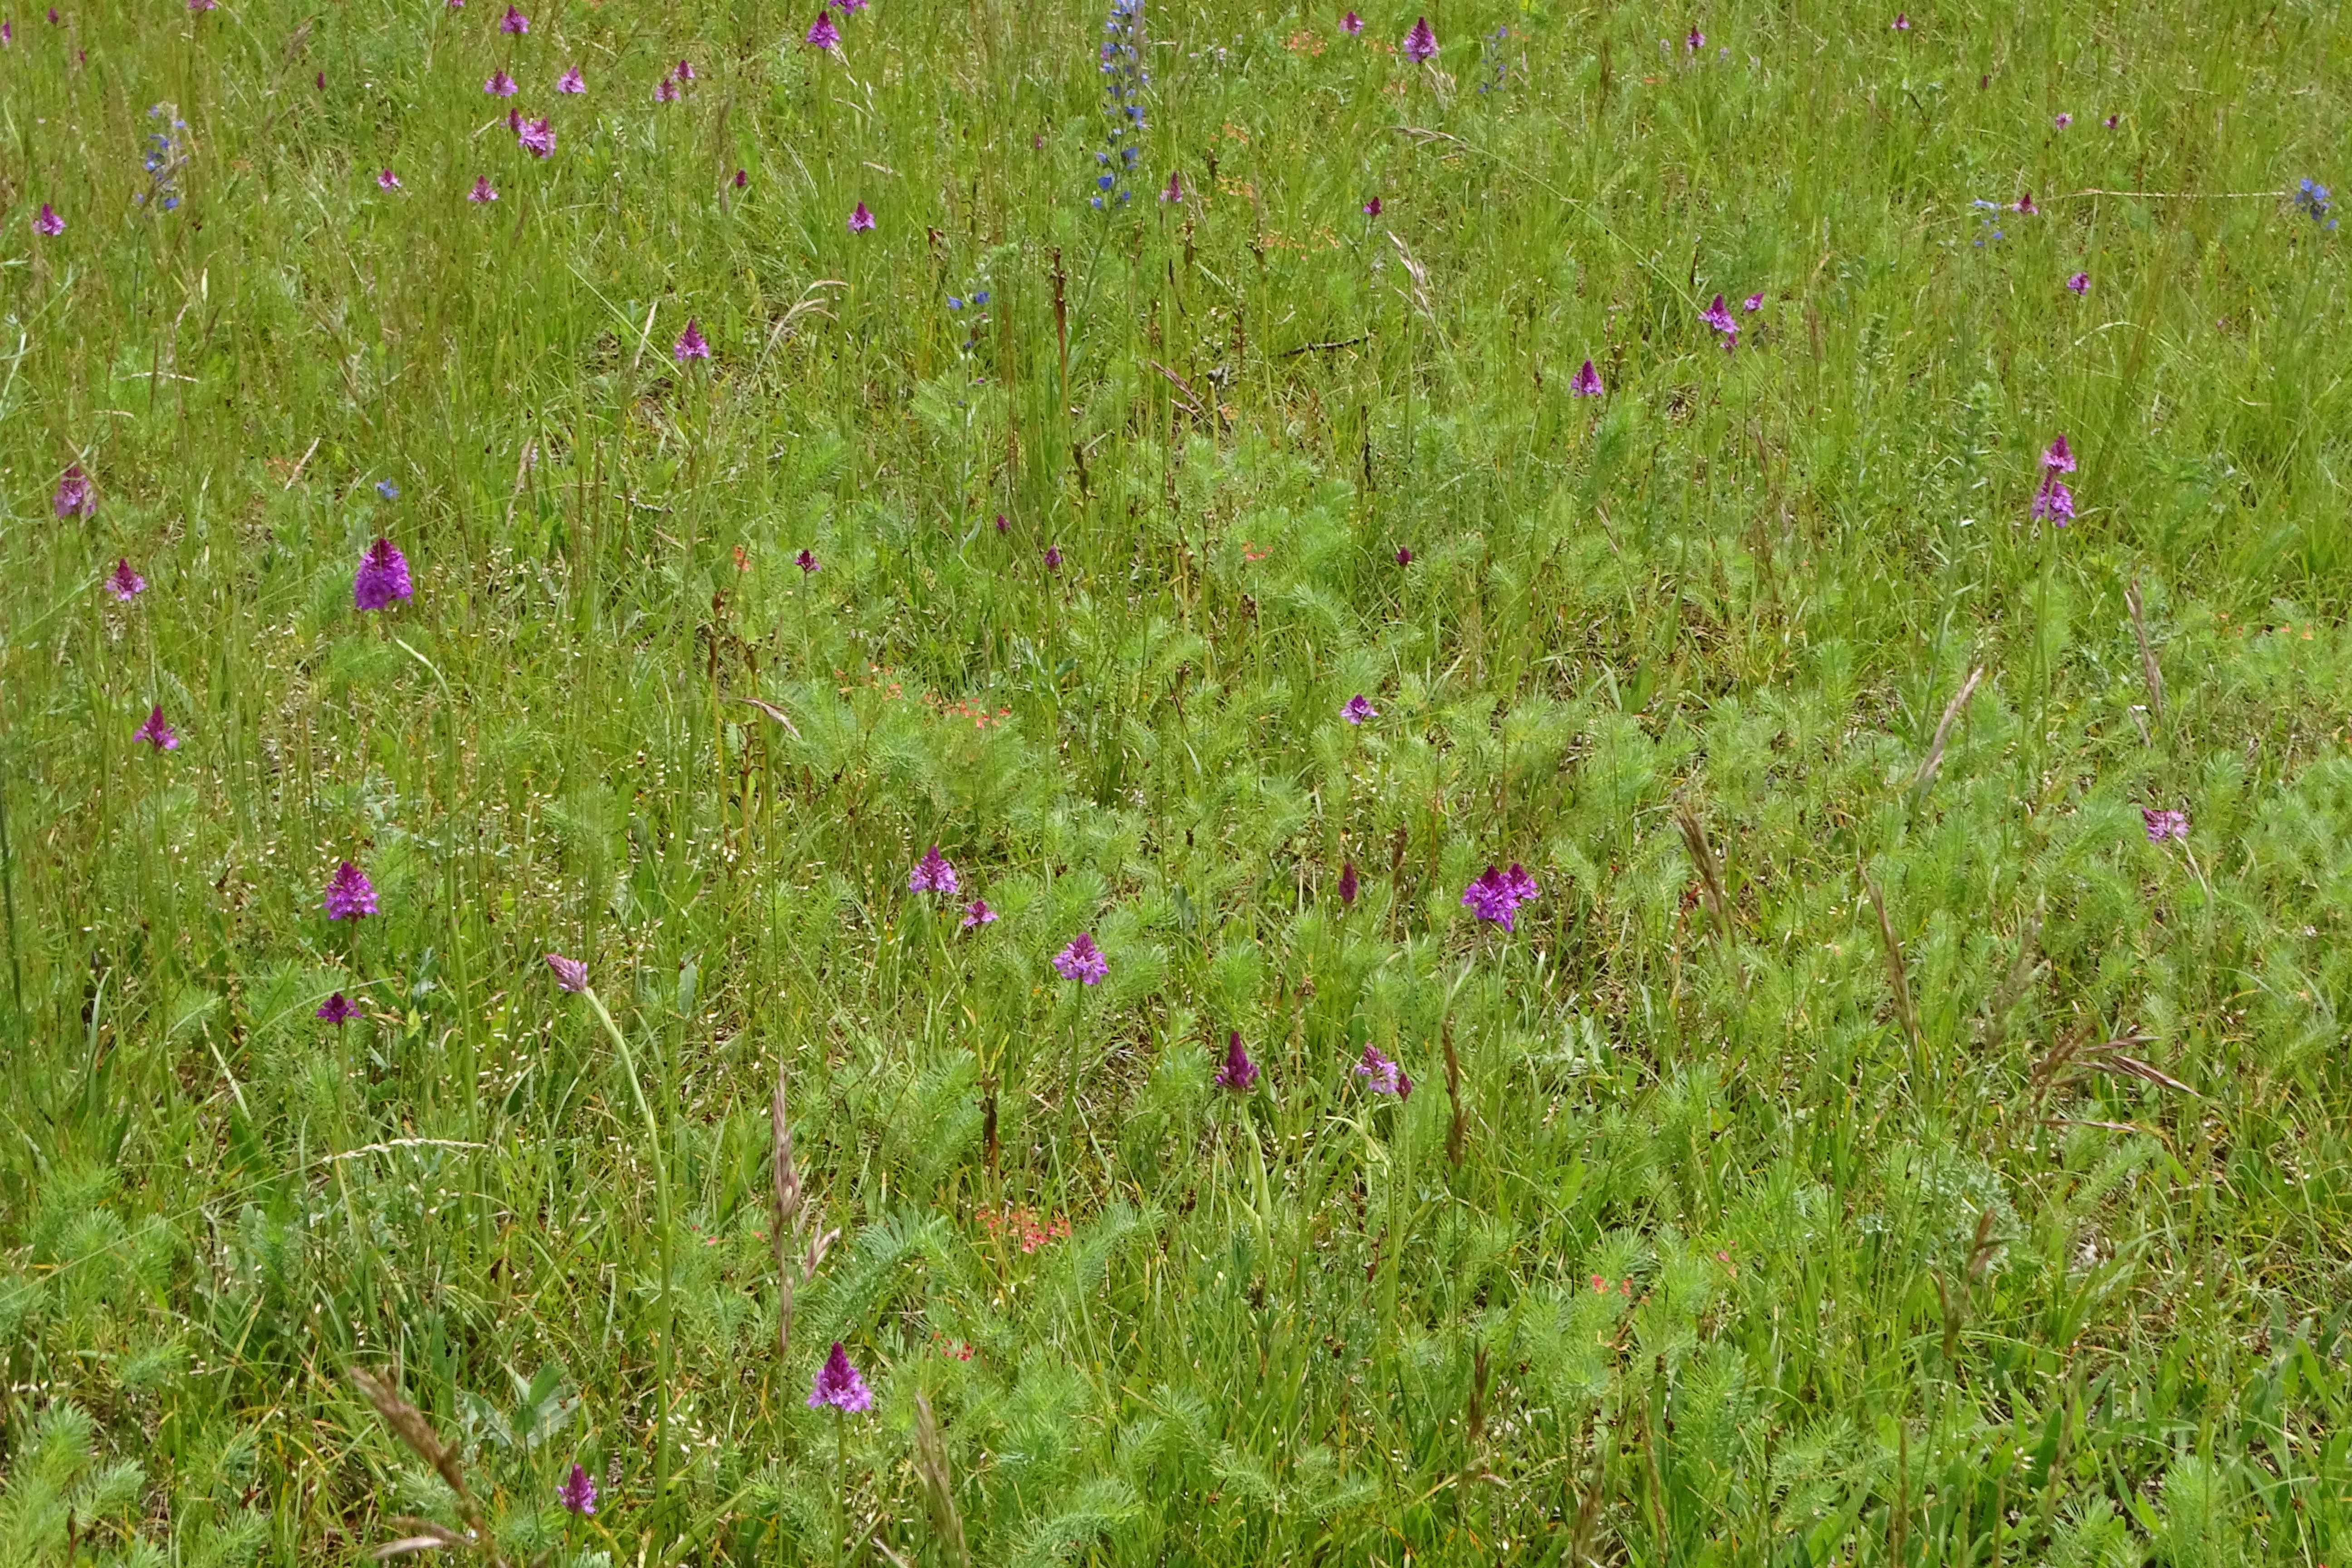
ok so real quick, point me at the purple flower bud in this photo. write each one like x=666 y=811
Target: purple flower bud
x=860 y=220
x=1239 y=1072
x=1347 y=882
x=690 y=343
x=570 y=974
x=1586 y=383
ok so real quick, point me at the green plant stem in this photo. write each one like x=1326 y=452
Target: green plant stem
x=668 y=1305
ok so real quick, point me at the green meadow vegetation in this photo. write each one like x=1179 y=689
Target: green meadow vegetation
x=1906 y=1123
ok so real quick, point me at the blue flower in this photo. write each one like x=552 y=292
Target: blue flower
x=387 y=489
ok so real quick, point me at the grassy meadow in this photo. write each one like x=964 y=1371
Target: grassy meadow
x=1906 y=1123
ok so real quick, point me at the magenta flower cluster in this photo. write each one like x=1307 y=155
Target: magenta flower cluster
x=1496 y=896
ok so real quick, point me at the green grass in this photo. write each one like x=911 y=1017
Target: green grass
x=1735 y=1228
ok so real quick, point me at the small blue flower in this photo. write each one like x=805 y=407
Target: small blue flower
x=981 y=297
x=387 y=489
x=954 y=304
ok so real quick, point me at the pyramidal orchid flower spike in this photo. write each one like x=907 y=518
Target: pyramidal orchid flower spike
x=124 y=583
x=932 y=874
x=1380 y=1075
x=690 y=343
x=1421 y=43
x=1348 y=884
x=860 y=220
x=570 y=974
x=47 y=223
x=1082 y=961
x=1355 y=711
x=383 y=577
x=349 y=895
x=338 y=1010
x=157 y=733
x=1586 y=383
x=838 y=1385
x=823 y=33
x=578 y=1492
x=74 y=498
x=977 y=913
x=1239 y=1073
x=2059 y=459
x=570 y=82
x=2163 y=825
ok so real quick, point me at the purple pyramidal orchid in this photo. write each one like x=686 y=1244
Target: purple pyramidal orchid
x=860 y=220
x=1902 y=22
x=977 y=913
x=1239 y=1072
x=48 y=223
x=383 y=577
x=666 y=91
x=500 y=85
x=578 y=1492
x=1355 y=711
x=2163 y=825
x=483 y=193
x=570 y=81
x=74 y=498
x=690 y=343
x=1053 y=558
x=1380 y=1075
x=808 y=564
x=536 y=137
x=157 y=733
x=1753 y=303
x=1586 y=383
x=1175 y=191
x=838 y=1385
x=932 y=874
x=2025 y=204
x=2079 y=284
x=1082 y=961
x=1495 y=895
x=386 y=180
x=1352 y=24
x=823 y=33
x=338 y=1010
x=1372 y=207
x=349 y=895
x=124 y=583
x=570 y=974
x=1421 y=43
x=2059 y=459
x=2054 y=503
x=1721 y=318
x=514 y=22
x=1347 y=882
